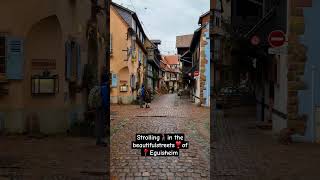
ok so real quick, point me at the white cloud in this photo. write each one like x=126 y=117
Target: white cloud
x=166 y=19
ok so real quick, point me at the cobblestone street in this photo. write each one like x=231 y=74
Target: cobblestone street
x=168 y=114
x=51 y=158
x=244 y=152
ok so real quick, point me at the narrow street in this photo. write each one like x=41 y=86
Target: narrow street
x=168 y=114
x=244 y=152
x=51 y=158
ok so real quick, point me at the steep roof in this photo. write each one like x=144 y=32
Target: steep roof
x=202 y=16
x=127 y=14
x=172 y=59
x=167 y=61
x=184 y=41
x=195 y=38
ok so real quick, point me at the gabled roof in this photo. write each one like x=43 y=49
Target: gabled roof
x=132 y=14
x=122 y=7
x=184 y=41
x=202 y=16
x=167 y=61
x=172 y=59
x=196 y=37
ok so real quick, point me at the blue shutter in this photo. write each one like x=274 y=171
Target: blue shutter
x=78 y=61
x=114 y=80
x=68 y=60
x=15 y=60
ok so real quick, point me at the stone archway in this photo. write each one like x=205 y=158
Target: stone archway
x=124 y=76
x=44 y=50
x=124 y=80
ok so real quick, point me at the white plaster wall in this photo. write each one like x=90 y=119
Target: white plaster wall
x=197 y=100
x=281 y=95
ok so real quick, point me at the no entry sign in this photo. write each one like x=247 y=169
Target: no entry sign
x=276 y=38
x=196 y=73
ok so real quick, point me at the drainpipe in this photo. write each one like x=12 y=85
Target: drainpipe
x=313 y=125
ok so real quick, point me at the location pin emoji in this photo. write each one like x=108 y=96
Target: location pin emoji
x=145 y=152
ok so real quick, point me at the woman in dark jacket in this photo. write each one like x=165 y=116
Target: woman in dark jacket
x=147 y=97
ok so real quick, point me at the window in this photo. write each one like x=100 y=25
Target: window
x=216 y=53
x=132 y=81
x=11 y=57
x=73 y=61
x=134 y=26
x=3 y=55
x=114 y=80
x=218 y=21
x=138 y=33
x=74 y=48
x=150 y=73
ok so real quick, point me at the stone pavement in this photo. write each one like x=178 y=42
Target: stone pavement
x=51 y=158
x=243 y=152
x=168 y=114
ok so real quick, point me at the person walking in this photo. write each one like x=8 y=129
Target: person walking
x=99 y=99
x=141 y=94
x=147 y=97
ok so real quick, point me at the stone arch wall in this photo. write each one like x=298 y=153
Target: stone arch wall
x=44 y=41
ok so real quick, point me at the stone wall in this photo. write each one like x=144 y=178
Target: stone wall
x=296 y=64
x=203 y=62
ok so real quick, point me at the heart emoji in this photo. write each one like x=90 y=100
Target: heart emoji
x=178 y=143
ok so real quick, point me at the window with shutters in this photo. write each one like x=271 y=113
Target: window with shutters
x=133 y=81
x=3 y=55
x=114 y=81
x=216 y=54
x=73 y=61
x=14 y=59
x=218 y=21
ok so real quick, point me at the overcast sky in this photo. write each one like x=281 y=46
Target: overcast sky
x=166 y=19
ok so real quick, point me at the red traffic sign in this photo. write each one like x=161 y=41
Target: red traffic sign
x=196 y=73
x=255 y=40
x=276 y=38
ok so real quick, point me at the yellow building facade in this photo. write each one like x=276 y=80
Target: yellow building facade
x=128 y=55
